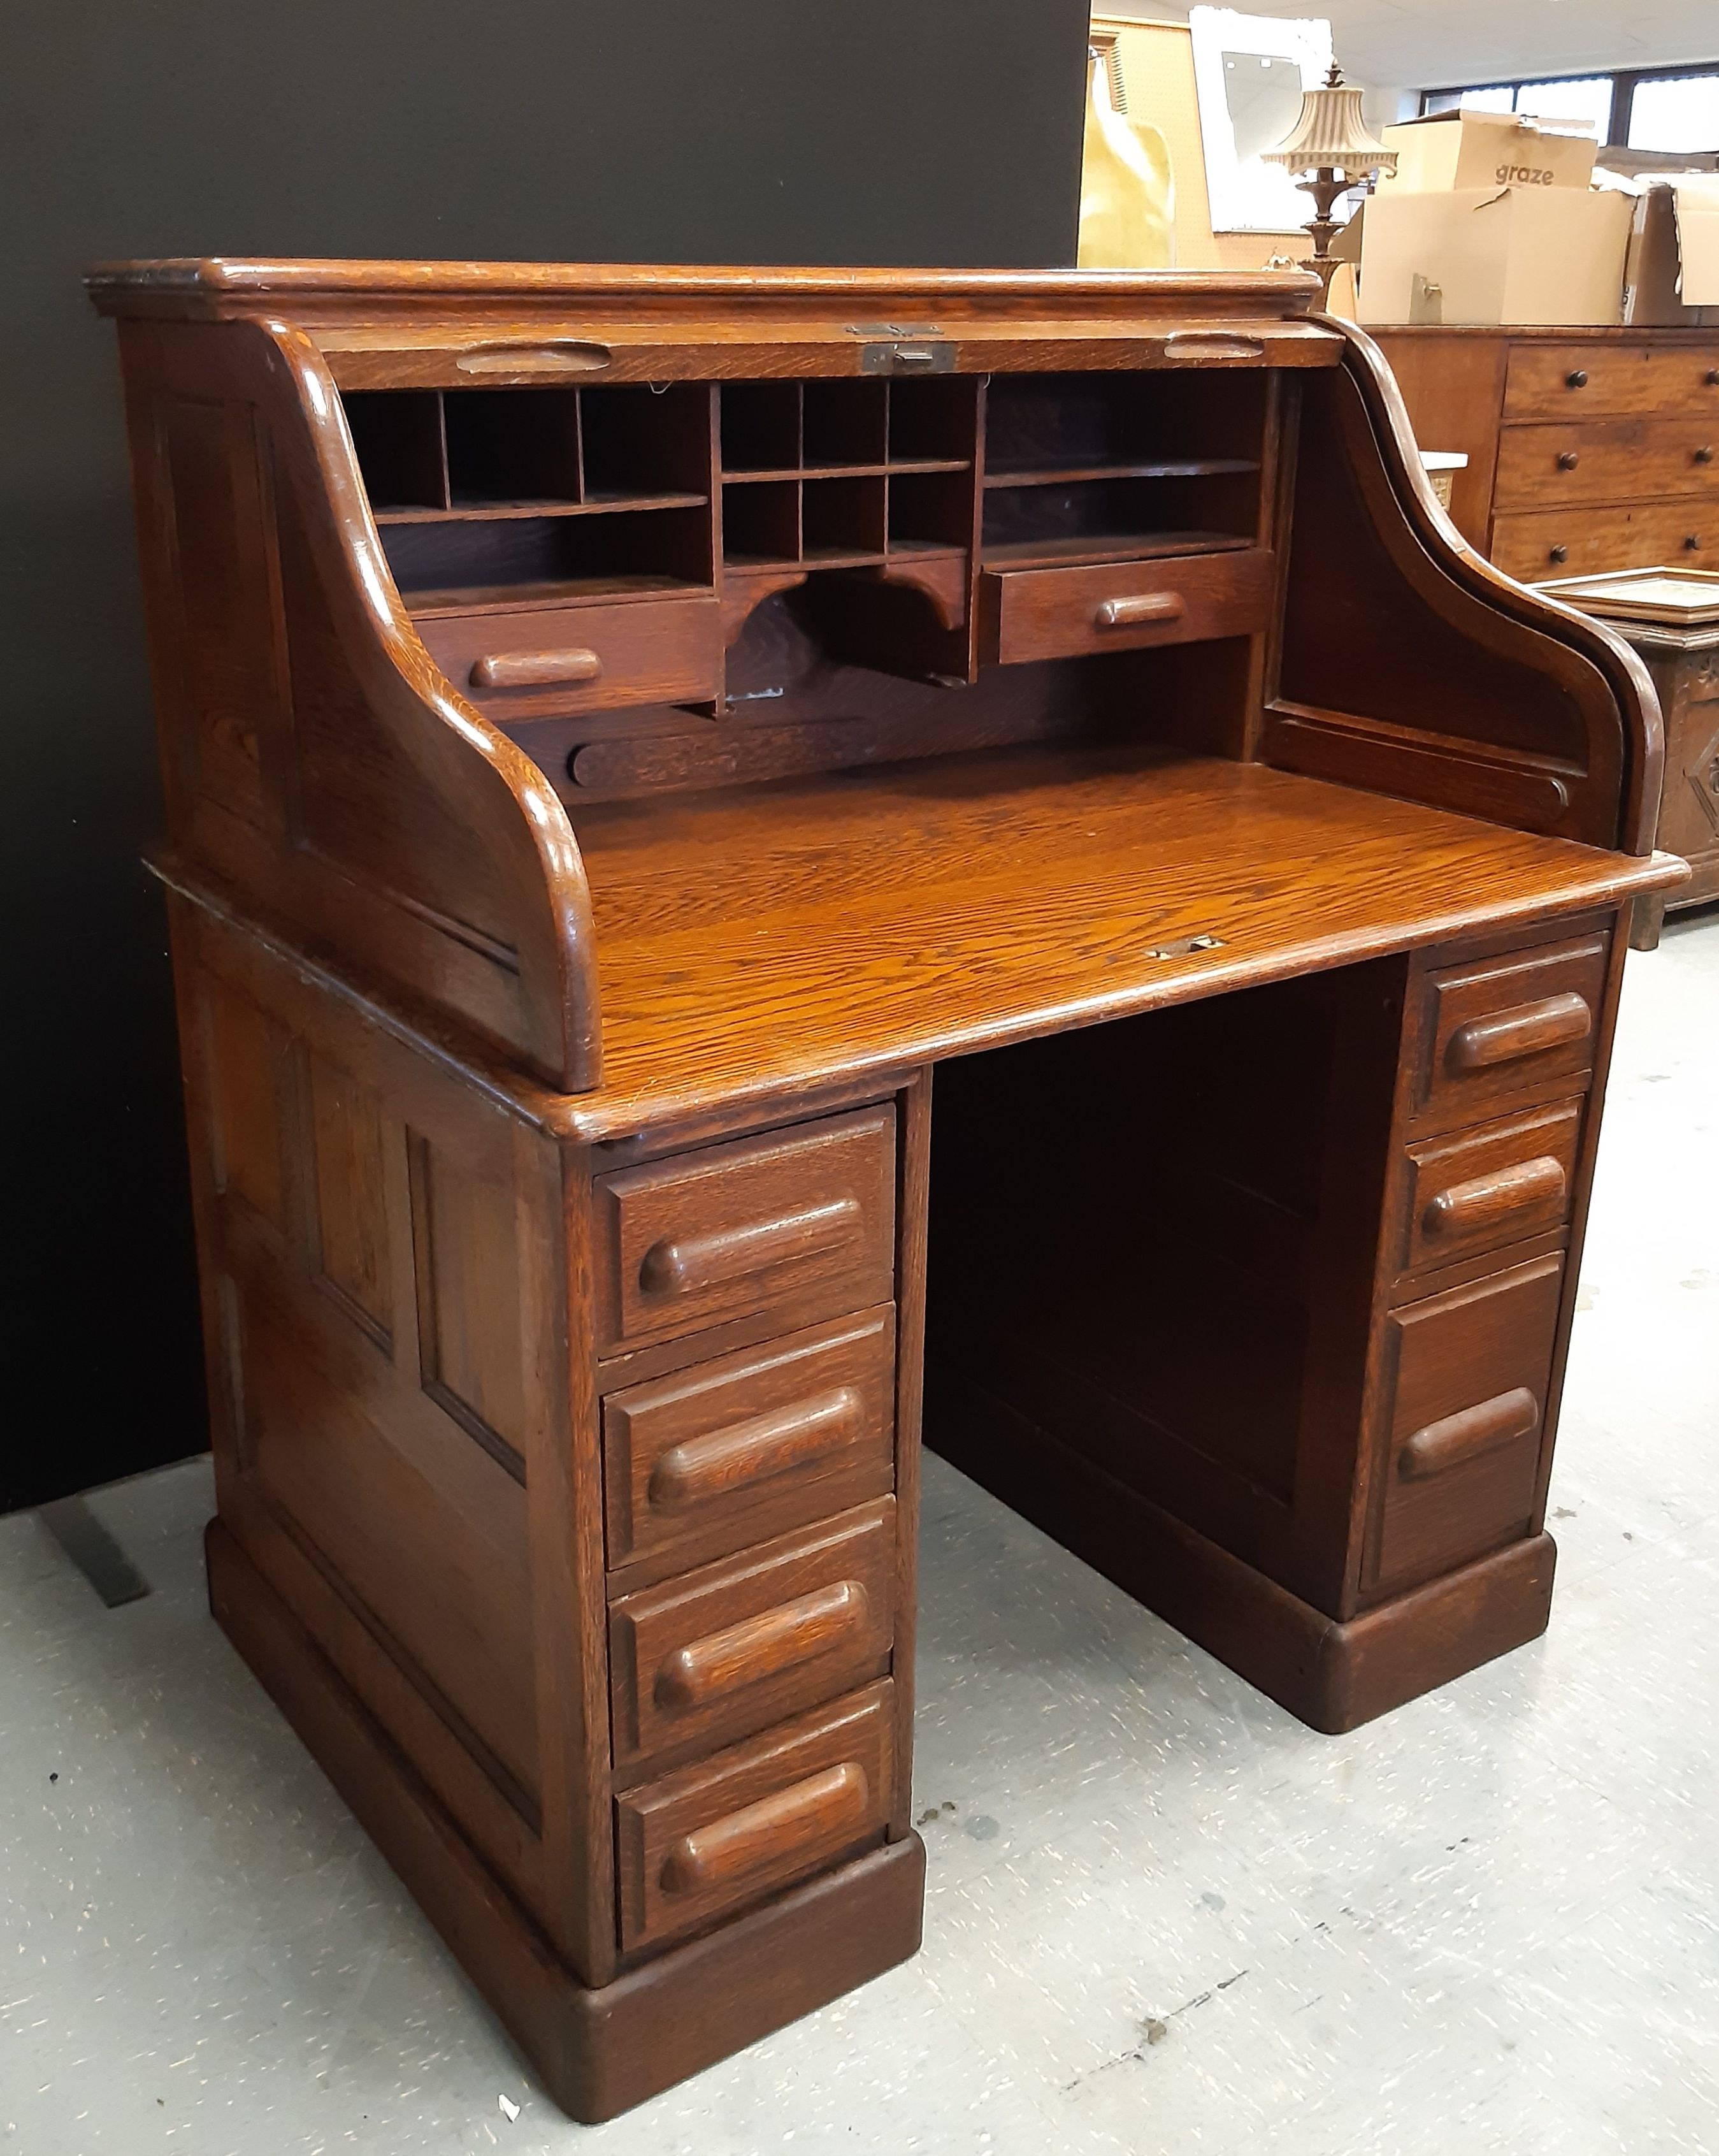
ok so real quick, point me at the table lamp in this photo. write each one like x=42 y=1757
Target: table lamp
x=1330 y=150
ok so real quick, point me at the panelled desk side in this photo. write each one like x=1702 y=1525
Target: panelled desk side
x=634 y=740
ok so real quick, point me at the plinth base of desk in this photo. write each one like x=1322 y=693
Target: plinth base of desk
x=1333 y=1676
x=597 y=2052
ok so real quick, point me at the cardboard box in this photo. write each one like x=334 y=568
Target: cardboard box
x=1671 y=270
x=1545 y=256
x=1447 y=151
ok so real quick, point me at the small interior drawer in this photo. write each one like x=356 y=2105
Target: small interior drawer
x=1480 y=1189
x=1062 y=613
x=544 y=662
x=1607 y=459
x=713 y=1839
x=807 y=1213
x=709 y=1658
x=1463 y=1446
x=711 y=1459
x=1602 y=377
x=1524 y=1021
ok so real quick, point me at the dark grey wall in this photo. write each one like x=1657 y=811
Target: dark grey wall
x=910 y=132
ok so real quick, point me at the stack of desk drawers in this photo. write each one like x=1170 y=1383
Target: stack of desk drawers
x=1588 y=450
x=1489 y=1124
x=750 y=1513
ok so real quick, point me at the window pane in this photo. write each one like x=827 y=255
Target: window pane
x=1588 y=100
x=1496 y=100
x=1440 y=100
x=1679 y=113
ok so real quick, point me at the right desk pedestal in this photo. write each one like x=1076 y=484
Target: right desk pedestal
x=1269 y=1322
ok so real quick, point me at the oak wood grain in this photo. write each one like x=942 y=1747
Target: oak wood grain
x=767 y=936
x=741 y=1447
x=712 y=1656
x=713 y=1838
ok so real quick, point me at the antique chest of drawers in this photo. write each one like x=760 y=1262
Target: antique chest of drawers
x=1588 y=450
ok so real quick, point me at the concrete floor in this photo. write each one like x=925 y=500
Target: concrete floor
x=1162 y=1915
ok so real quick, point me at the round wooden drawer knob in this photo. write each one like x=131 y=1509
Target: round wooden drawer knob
x=1567 y=460
x=1713 y=377
x=1692 y=543
x=1559 y=555
x=1577 y=379
x=1704 y=455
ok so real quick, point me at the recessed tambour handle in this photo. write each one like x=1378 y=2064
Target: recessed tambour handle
x=1139 y=609
x=1211 y=344
x=1465 y=1436
x=725 y=1461
x=684 y=1264
x=825 y=1809
x=1484 y=1199
x=535 y=670
x=707 y=1670
x=1554 y=1022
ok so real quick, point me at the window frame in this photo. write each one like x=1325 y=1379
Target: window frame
x=1624 y=82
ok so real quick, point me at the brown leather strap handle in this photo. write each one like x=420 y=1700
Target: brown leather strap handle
x=727 y=1460
x=1138 y=610
x=824 y=1810
x=760 y=1647
x=535 y=670
x=1554 y=1022
x=1486 y=1199
x=1465 y=1436
x=682 y=1265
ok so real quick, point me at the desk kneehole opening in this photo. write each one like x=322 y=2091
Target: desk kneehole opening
x=782 y=1829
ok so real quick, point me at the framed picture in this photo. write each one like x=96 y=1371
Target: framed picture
x=1249 y=71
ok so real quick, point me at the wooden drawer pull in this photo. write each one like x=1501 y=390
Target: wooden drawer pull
x=1145 y=606
x=762 y=1646
x=535 y=670
x=1466 y=1206
x=684 y=1264
x=830 y=1807
x=1467 y=1433
x=1527 y=1030
x=1211 y=344
x=745 y=1453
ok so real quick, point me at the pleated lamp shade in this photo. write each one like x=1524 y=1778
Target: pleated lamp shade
x=1330 y=135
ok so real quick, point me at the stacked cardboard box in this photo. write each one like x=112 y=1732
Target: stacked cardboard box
x=1491 y=219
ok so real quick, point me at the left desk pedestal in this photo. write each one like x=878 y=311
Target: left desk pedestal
x=566 y=1507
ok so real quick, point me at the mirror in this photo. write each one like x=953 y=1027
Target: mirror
x=1249 y=71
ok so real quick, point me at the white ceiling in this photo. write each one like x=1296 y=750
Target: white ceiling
x=1426 y=45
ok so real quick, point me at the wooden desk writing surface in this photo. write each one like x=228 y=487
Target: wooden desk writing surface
x=754 y=853
x=803 y=932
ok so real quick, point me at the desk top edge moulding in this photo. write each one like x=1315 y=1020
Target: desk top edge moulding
x=625 y=733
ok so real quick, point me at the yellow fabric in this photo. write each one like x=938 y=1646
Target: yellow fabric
x=1128 y=194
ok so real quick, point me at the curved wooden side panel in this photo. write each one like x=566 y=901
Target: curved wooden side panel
x=314 y=754
x=1409 y=665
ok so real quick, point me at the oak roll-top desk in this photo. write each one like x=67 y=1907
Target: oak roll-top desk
x=623 y=730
